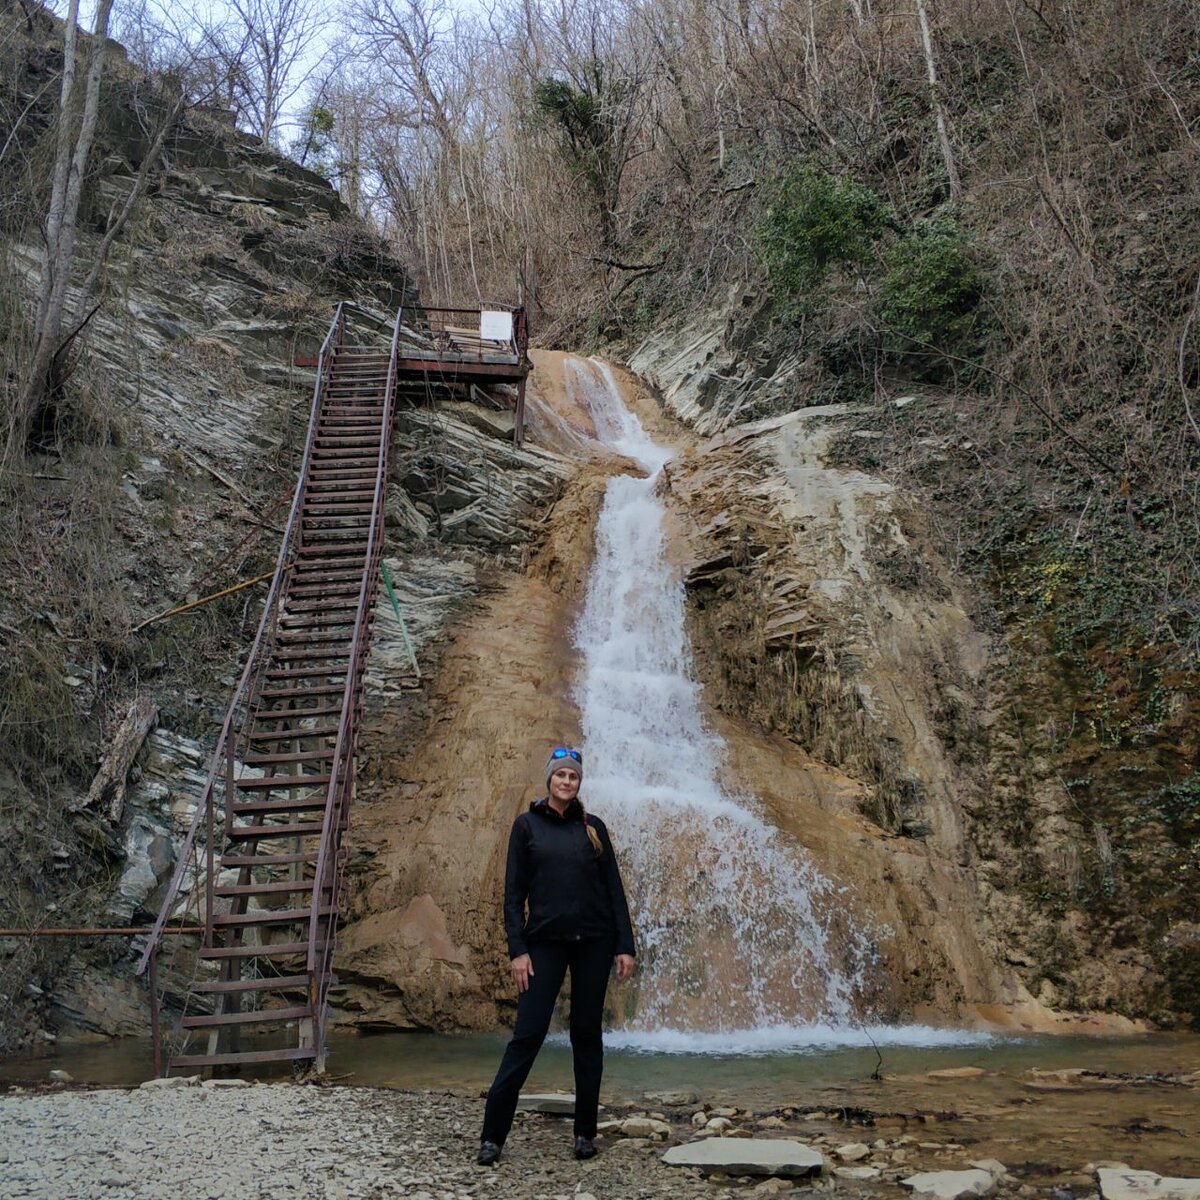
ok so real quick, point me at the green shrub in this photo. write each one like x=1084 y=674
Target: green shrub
x=929 y=298
x=816 y=222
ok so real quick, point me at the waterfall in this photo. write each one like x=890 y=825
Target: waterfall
x=738 y=932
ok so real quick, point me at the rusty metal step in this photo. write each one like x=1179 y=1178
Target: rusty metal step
x=287 y=735
x=321 y=538
x=300 y=693
x=283 y=654
x=270 y=916
x=316 y=520
x=335 y=497
x=264 y=983
x=328 y=616
x=267 y=889
x=270 y=783
x=311 y=567
x=290 y=1054
x=278 y=950
x=269 y=860
x=318 y=606
x=316 y=592
x=307 y=673
x=295 y=714
x=255 y=1016
x=313 y=553
x=269 y=833
x=305 y=639
x=266 y=807
x=323 y=755
x=314 y=526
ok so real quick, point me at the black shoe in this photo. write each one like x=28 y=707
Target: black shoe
x=585 y=1148
x=489 y=1154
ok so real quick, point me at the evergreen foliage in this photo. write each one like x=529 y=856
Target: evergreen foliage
x=817 y=222
x=929 y=298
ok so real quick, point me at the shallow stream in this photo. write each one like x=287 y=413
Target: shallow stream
x=1133 y=1105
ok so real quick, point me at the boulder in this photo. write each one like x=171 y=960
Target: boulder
x=748 y=1156
x=1139 y=1185
x=169 y=1083
x=950 y=1185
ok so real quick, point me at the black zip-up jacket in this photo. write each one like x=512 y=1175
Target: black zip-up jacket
x=572 y=894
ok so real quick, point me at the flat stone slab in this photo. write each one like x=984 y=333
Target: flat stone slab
x=554 y=1104
x=950 y=1185
x=748 y=1156
x=1141 y=1185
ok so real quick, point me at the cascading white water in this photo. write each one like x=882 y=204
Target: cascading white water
x=738 y=931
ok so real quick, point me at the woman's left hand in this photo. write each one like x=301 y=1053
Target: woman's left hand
x=625 y=965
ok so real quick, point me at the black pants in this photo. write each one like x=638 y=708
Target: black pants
x=589 y=963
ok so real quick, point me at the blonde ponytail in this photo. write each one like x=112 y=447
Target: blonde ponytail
x=593 y=836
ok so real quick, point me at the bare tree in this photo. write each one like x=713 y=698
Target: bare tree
x=267 y=49
x=73 y=144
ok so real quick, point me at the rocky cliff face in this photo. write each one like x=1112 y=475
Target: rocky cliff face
x=831 y=632
x=859 y=691
x=173 y=487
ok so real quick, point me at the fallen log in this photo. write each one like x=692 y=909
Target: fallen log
x=107 y=793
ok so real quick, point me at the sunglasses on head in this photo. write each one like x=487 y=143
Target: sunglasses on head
x=564 y=752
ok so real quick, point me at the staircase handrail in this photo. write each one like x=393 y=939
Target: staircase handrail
x=347 y=726
x=204 y=804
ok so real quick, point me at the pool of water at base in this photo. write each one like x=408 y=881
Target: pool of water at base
x=1138 y=1107
x=466 y=1062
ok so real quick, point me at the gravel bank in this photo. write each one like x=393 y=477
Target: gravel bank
x=281 y=1142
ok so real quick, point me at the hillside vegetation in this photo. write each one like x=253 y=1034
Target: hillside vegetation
x=990 y=205
x=976 y=221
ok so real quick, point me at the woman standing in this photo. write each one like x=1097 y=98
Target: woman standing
x=562 y=867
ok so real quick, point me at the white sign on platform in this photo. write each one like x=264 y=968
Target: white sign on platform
x=495 y=326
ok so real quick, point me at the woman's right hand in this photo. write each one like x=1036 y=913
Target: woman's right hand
x=522 y=969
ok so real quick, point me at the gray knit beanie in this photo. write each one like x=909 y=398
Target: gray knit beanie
x=557 y=761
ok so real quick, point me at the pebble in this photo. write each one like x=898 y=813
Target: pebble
x=852 y=1151
x=645 y=1127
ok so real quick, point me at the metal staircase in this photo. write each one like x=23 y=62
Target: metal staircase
x=265 y=846
x=261 y=867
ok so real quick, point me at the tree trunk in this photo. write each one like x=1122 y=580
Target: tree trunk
x=935 y=100
x=107 y=793
x=70 y=165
